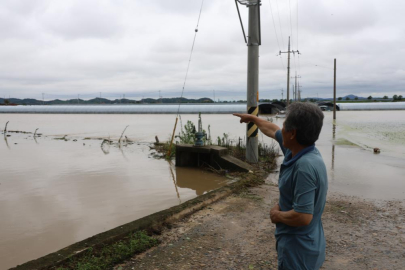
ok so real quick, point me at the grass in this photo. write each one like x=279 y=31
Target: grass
x=110 y=255
x=250 y=196
x=267 y=154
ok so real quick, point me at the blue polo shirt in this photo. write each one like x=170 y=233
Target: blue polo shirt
x=303 y=184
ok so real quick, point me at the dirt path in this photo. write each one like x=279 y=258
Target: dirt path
x=236 y=233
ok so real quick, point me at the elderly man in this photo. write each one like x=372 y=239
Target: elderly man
x=303 y=184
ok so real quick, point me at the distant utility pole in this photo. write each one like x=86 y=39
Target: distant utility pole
x=299 y=91
x=296 y=88
x=293 y=91
x=288 y=69
x=214 y=95
x=292 y=86
x=282 y=93
x=334 y=91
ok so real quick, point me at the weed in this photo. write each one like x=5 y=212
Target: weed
x=110 y=255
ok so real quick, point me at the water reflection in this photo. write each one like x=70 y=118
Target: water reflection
x=5 y=139
x=105 y=147
x=171 y=165
x=201 y=182
x=333 y=145
x=122 y=152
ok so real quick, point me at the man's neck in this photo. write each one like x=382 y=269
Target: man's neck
x=296 y=149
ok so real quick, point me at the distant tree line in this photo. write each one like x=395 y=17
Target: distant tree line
x=394 y=98
x=16 y=101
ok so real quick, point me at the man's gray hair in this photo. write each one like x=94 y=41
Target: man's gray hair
x=307 y=119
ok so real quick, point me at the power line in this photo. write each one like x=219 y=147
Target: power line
x=291 y=33
x=289 y=5
x=297 y=25
x=299 y=64
x=191 y=53
x=279 y=21
x=275 y=31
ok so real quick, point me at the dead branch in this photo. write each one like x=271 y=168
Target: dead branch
x=5 y=128
x=35 y=133
x=119 y=141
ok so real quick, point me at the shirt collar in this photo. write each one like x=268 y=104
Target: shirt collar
x=289 y=160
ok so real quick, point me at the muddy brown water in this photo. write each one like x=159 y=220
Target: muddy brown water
x=54 y=192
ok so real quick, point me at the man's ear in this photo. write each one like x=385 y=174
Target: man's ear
x=293 y=134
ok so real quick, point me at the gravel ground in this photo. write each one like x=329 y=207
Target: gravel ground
x=236 y=233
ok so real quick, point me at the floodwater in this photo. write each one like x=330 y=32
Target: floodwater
x=54 y=192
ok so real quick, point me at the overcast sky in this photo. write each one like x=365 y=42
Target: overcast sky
x=138 y=48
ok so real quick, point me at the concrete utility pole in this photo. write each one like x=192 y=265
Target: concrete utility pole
x=253 y=43
x=288 y=69
x=282 y=93
x=334 y=91
x=252 y=153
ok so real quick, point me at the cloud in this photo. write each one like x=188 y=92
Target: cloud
x=83 y=19
x=66 y=48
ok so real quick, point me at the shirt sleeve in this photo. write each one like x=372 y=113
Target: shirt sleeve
x=279 y=139
x=304 y=193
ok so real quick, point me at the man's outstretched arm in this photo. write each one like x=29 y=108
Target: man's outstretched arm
x=267 y=128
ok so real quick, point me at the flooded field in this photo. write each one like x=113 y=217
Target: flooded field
x=57 y=192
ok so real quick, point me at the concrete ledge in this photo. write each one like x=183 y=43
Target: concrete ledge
x=217 y=157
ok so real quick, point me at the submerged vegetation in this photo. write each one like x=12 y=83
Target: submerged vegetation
x=237 y=148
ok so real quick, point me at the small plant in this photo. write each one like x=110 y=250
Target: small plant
x=187 y=136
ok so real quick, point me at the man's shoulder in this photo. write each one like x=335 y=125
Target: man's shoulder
x=311 y=161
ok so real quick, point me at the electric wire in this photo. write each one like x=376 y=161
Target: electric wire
x=299 y=64
x=289 y=5
x=275 y=31
x=291 y=35
x=297 y=24
x=191 y=53
x=279 y=21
